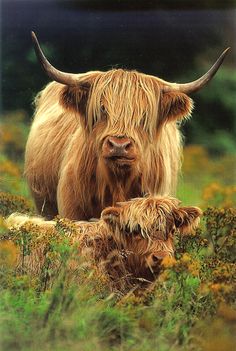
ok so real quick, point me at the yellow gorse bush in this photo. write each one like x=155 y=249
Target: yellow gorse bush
x=196 y=160
x=185 y=264
x=8 y=167
x=216 y=194
x=9 y=253
x=13 y=203
x=168 y=262
x=13 y=133
x=206 y=177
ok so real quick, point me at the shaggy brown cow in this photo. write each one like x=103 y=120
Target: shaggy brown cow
x=102 y=137
x=128 y=242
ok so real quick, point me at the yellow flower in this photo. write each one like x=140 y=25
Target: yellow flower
x=221 y=287
x=9 y=253
x=168 y=262
x=216 y=194
x=10 y=168
x=194 y=268
x=215 y=287
x=186 y=258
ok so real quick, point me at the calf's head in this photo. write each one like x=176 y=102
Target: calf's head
x=145 y=227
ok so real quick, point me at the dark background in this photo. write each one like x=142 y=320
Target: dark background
x=175 y=40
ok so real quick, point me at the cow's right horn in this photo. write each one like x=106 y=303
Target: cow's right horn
x=52 y=72
x=198 y=84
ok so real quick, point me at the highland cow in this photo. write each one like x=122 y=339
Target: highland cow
x=128 y=243
x=103 y=137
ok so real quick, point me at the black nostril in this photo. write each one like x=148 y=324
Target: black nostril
x=127 y=145
x=155 y=258
x=110 y=144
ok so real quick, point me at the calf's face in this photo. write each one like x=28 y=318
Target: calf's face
x=145 y=228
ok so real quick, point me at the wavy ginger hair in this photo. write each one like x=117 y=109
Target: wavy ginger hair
x=64 y=166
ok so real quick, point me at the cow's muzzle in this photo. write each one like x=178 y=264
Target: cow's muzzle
x=119 y=149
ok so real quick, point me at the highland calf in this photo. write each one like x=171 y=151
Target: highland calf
x=128 y=243
x=103 y=137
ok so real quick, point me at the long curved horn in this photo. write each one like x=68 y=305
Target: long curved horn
x=52 y=72
x=198 y=84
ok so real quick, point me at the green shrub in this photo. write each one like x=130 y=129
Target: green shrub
x=13 y=203
x=63 y=308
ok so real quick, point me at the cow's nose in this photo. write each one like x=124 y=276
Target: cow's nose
x=158 y=257
x=119 y=146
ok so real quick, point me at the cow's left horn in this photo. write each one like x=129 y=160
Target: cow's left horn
x=52 y=72
x=198 y=84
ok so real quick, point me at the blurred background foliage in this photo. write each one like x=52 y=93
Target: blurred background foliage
x=175 y=40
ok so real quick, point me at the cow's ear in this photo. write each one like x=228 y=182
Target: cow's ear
x=175 y=106
x=75 y=98
x=187 y=218
x=111 y=215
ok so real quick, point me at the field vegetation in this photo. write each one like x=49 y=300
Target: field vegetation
x=191 y=306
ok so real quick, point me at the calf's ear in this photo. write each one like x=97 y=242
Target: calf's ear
x=175 y=106
x=187 y=218
x=111 y=215
x=75 y=98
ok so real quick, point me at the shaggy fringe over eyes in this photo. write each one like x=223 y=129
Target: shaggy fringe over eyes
x=151 y=214
x=106 y=93
x=129 y=98
x=155 y=215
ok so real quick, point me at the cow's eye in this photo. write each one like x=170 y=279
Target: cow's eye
x=127 y=229
x=102 y=108
x=103 y=113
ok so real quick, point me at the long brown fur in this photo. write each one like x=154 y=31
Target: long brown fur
x=64 y=165
x=128 y=242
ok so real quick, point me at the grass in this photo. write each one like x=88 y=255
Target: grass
x=191 y=306
x=193 y=297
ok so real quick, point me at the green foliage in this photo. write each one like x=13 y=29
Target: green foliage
x=13 y=203
x=221 y=230
x=14 y=131
x=14 y=134
x=68 y=303
x=221 y=142
x=213 y=122
x=206 y=180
